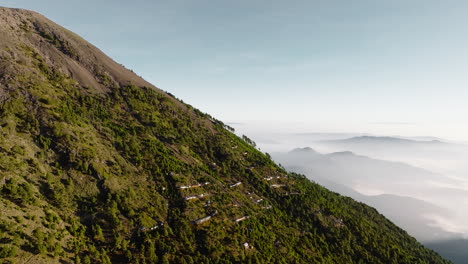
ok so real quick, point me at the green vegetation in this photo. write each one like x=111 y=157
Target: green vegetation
x=121 y=176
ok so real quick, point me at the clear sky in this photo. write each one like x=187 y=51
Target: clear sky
x=377 y=66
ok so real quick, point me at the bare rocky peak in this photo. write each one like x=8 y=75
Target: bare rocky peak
x=60 y=48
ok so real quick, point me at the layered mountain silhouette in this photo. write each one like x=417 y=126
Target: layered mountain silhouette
x=347 y=173
x=383 y=140
x=348 y=167
x=99 y=166
x=425 y=152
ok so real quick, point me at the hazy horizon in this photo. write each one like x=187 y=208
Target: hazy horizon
x=430 y=171
x=285 y=137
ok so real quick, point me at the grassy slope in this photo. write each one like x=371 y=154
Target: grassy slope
x=86 y=171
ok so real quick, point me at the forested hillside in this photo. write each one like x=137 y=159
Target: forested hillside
x=99 y=166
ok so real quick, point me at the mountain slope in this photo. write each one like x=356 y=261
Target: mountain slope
x=99 y=166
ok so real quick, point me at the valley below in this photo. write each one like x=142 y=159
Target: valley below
x=418 y=183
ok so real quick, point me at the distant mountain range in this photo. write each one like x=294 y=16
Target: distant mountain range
x=353 y=170
x=383 y=140
x=354 y=175
x=438 y=156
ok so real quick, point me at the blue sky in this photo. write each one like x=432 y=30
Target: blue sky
x=384 y=67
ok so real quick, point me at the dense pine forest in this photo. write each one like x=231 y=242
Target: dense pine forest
x=99 y=166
